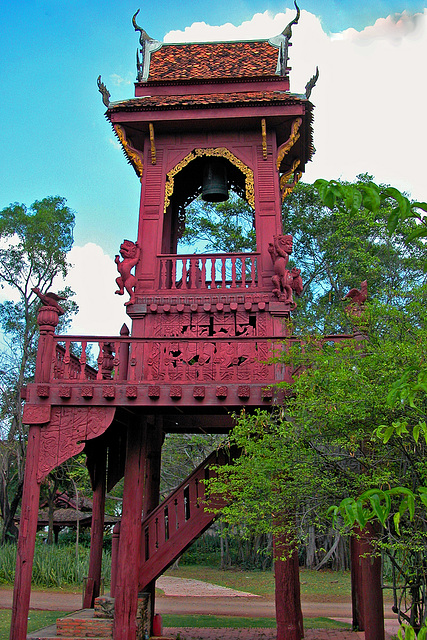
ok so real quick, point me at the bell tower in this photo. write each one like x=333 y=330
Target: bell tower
x=206 y=118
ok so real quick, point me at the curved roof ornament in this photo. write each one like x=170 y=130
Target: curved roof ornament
x=148 y=46
x=311 y=84
x=282 y=42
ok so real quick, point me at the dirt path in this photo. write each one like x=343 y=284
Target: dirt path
x=194 y=597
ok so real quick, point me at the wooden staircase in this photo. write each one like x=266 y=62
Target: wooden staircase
x=166 y=533
x=178 y=521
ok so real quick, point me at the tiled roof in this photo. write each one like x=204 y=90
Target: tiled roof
x=205 y=100
x=213 y=60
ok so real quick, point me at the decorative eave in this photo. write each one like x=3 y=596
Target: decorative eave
x=203 y=101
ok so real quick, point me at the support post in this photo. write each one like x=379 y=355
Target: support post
x=287 y=592
x=126 y=589
x=47 y=320
x=27 y=539
x=372 y=593
x=152 y=487
x=358 y=622
x=97 y=463
x=114 y=558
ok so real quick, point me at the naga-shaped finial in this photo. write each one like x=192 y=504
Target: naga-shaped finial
x=287 y=32
x=311 y=84
x=143 y=34
x=105 y=93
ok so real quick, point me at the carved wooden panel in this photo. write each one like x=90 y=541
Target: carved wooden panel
x=66 y=433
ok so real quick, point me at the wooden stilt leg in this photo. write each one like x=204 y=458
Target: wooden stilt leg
x=114 y=557
x=152 y=486
x=27 y=538
x=356 y=583
x=126 y=589
x=287 y=592
x=97 y=461
x=372 y=594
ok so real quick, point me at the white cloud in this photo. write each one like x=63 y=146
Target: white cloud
x=115 y=143
x=119 y=81
x=92 y=277
x=370 y=96
x=261 y=25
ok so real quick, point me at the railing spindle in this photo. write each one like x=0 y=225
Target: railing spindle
x=162 y=273
x=100 y=360
x=233 y=272
x=66 y=360
x=203 y=284
x=184 y=274
x=253 y=272
x=173 y=276
x=213 y=273
x=82 y=361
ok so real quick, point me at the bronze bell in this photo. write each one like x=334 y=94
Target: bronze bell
x=215 y=187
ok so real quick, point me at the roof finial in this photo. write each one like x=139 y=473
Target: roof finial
x=282 y=42
x=105 y=93
x=144 y=35
x=287 y=32
x=311 y=84
x=148 y=45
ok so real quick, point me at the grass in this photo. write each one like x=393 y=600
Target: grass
x=237 y=622
x=322 y=586
x=40 y=619
x=36 y=620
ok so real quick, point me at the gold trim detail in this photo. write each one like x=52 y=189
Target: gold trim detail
x=134 y=157
x=286 y=146
x=218 y=151
x=286 y=187
x=264 y=139
x=152 y=143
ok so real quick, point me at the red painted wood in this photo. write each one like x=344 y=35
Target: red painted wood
x=126 y=589
x=99 y=466
x=356 y=583
x=287 y=591
x=180 y=532
x=372 y=594
x=155 y=438
x=26 y=540
x=114 y=558
x=153 y=89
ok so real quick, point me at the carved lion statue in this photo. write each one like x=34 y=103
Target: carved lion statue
x=280 y=250
x=130 y=253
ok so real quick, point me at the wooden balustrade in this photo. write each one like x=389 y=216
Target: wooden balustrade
x=174 y=524
x=231 y=271
x=228 y=358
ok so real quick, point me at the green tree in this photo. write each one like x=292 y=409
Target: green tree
x=337 y=248
x=222 y=227
x=34 y=242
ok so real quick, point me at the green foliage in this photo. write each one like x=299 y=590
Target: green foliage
x=53 y=566
x=338 y=248
x=34 y=242
x=223 y=227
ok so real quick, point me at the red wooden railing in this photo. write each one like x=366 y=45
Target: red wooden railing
x=177 y=521
x=176 y=360
x=134 y=360
x=207 y=272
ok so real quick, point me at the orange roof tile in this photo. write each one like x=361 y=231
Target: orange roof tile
x=200 y=101
x=213 y=60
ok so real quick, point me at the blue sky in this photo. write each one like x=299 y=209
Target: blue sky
x=55 y=140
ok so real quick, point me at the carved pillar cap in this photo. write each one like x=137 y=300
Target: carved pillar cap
x=47 y=319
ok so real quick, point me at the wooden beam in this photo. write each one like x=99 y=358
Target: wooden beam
x=126 y=589
x=27 y=538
